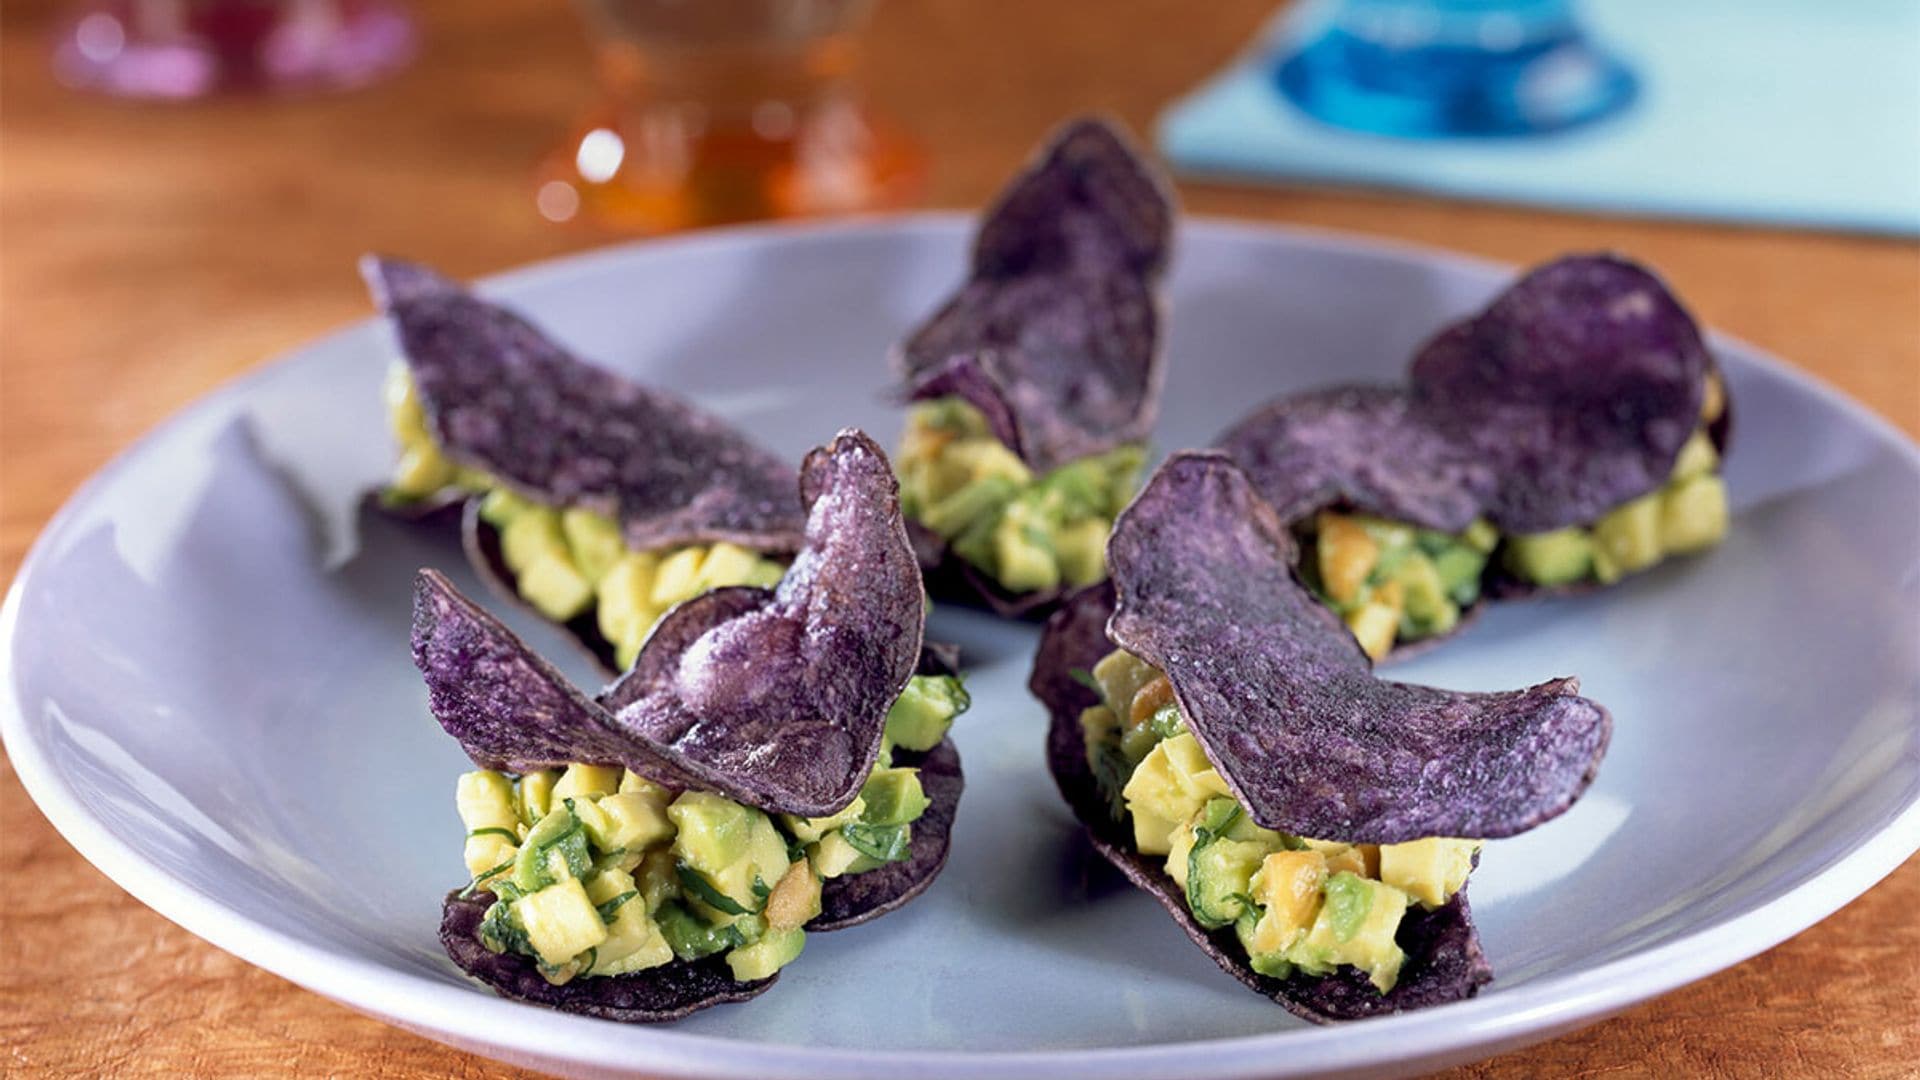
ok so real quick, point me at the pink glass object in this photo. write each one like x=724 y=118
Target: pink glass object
x=180 y=49
x=717 y=111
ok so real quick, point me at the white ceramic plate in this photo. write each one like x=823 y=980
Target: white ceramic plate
x=207 y=688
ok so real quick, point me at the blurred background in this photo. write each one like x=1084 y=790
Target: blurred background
x=185 y=186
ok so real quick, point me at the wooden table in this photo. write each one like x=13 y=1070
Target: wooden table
x=150 y=253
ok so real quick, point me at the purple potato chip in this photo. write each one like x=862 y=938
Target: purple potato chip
x=669 y=992
x=1577 y=386
x=1305 y=735
x=1057 y=335
x=1571 y=393
x=1090 y=199
x=1358 y=446
x=1444 y=959
x=774 y=698
x=855 y=898
x=502 y=397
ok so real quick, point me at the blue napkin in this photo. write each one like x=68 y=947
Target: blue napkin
x=1780 y=112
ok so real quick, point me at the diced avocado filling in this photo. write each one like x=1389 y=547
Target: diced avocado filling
x=600 y=871
x=567 y=563
x=1028 y=533
x=1390 y=581
x=1688 y=514
x=1295 y=905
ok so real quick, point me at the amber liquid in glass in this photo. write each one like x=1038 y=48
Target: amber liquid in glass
x=723 y=111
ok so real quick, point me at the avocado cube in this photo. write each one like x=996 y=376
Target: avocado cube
x=1693 y=515
x=775 y=950
x=1356 y=925
x=1560 y=557
x=1481 y=536
x=1428 y=607
x=726 y=564
x=984 y=456
x=712 y=832
x=894 y=797
x=919 y=718
x=1198 y=779
x=593 y=541
x=635 y=820
x=1121 y=675
x=767 y=859
x=420 y=472
x=554 y=588
x=405 y=418
x=561 y=922
x=631 y=781
x=531 y=535
x=1098 y=725
x=489 y=855
x=1460 y=568
x=1375 y=624
x=485 y=801
x=1159 y=796
x=833 y=856
x=534 y=795
x=809 y=830
x=1152 y=833
x=1249 y=929
x=634 y=942
x=588 y=781
x=624 y=594
x=1429 y=870
x=1697 y=457
x=677 y=578
x=502 y=505
x=982 y=498
x=1179 y=852
x=1023 y=556
x=1081 y=548
x=658 y=878
x=1627 y=538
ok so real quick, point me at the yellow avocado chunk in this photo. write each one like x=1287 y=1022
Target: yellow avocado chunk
x=1627 y=538
x=1430 y=870
x=1693 y=515
x=634 y=941
x=561 y=922
x=1168 y=787
x=635 y=820
x=1355 y=925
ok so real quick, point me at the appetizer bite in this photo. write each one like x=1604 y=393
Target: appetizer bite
x=1566 y=436
x=1034 y=386
x=776 y=762
x=1225 y=742
x=598 y=502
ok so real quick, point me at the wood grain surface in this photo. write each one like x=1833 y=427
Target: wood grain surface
x=148 y=253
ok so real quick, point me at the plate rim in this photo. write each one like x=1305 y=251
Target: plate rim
x=479 y=1022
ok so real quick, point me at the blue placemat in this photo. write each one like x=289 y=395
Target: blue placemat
x=1781 y=112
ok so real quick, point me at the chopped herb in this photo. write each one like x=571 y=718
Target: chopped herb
x=608 y=908
x=886 y=843
x=696 y=883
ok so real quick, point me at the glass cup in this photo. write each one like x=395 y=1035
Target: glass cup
x=720 y=111
x=180 y=49
x=1438 y=68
